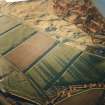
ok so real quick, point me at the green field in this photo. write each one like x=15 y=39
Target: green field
x=15 y=36
x=52 y=66
x=87 y=68
x=7 y=23
x=16 y=83
x=5 y=67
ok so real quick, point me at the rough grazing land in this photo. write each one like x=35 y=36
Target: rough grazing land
x=40 y=15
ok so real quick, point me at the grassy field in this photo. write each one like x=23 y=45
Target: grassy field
x=11 y=24
x=52 y=66
x=14 y=37
x=86 y=69
x=32 y=49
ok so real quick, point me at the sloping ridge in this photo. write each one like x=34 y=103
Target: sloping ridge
x=55 y=65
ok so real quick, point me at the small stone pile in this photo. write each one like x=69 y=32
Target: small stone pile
x=64 y=92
